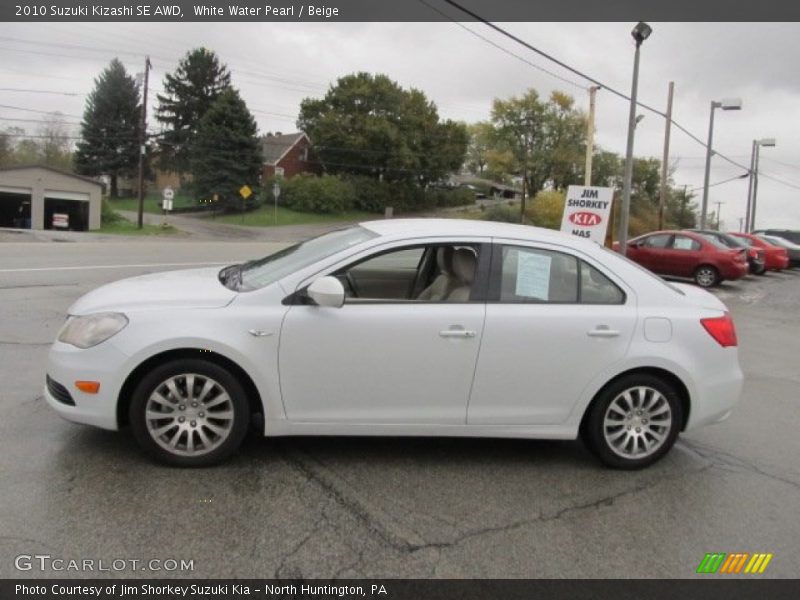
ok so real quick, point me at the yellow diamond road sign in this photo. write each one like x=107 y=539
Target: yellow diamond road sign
x=245 y=191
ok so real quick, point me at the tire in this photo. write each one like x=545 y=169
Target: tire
x=762 y=271
x=706 y=276
x=639 y=440
x=198 y=429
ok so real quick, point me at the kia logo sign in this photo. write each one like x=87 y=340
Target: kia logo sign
x=585 y=219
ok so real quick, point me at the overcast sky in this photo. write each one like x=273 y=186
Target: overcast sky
x=275 y=65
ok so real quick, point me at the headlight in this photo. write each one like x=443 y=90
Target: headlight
x=90 y=330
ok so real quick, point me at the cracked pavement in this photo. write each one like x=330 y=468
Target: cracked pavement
x=389 y=507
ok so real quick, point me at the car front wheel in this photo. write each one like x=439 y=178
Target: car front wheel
x=189 y=413
x=634 y=421
x=706 y=276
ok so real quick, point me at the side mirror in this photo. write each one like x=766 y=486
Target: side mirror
x=327 y=291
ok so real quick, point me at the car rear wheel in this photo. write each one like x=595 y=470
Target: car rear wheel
x=706 y=276
x=634 y=421
x=189 y=413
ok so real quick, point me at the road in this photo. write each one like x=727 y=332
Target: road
x=327 y=507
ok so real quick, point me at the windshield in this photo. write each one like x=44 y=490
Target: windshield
x=259 y=273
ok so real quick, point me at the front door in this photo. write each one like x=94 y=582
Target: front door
x=384 y=357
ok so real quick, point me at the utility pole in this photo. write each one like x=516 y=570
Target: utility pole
x=750 y=187
x=587 y=177
x=662 y=197
x=142 y=138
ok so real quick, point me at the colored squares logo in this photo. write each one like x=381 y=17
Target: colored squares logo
x=734 y=563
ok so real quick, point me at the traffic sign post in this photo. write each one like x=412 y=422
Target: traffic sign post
x=245 y=192
x=167 y=196
x=276 y=193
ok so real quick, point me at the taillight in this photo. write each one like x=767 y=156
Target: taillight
x=721 y=329
x=752 y=252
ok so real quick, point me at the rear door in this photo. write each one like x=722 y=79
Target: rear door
x=554 y=322
x=684 y=256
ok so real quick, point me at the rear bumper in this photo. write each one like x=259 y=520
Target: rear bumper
x=716 y=396
x=733 y=271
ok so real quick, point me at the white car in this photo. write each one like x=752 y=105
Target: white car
x=418 y=327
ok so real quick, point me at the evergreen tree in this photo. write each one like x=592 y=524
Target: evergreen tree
x=110 y=128
x=189 y=92
x=226 y=153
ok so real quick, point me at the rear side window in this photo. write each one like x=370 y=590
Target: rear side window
x=596 y=288
x=533 y=275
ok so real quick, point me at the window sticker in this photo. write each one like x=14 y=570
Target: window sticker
x=533 y=275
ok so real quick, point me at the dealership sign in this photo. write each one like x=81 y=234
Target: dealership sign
x=586 y=212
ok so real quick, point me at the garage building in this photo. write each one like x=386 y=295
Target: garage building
x=36 y=197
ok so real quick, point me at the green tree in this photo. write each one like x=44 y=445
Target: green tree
x=110 y=128
x=226 y=153
x=480 y=144
x=189 y=92
x=546 y=139
x=369 y=125
x=547 y=209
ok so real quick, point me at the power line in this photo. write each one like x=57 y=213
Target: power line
x=721 y=182
x=502 y=48
x=41 y=112
x=571 y=69
x=41 y=92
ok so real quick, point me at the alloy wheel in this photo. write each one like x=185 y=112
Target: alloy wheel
x=189 y=414
x=637 y=422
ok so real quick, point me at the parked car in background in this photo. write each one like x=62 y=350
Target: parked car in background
x=775 y=257
x=755 y=256
x=792 y=248
x=690 y=255
x=793 y=235
x=427 y=327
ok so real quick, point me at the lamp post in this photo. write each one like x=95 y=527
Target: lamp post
x=726 y=104
x=752 y=189
x=640 y=33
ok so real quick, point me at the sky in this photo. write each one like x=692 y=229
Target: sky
x=461 y=69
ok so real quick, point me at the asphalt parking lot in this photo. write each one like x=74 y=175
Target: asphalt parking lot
x=320 y=507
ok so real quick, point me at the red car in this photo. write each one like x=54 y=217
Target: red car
x=687 y=254
x=775 y=257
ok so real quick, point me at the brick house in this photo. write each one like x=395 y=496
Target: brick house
x=288 y=154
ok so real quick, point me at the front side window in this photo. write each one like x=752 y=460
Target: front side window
x=682 y=242
x=421 y=273
x=657 y=241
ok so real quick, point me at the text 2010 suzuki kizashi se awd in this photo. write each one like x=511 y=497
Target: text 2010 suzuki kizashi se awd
x=402 y=327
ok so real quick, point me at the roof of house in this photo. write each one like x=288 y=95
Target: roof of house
x=275 y=147
x=54 y=170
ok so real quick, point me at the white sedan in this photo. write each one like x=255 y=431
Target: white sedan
x=402 y=327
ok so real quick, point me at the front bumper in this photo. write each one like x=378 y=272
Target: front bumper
x=67 y=364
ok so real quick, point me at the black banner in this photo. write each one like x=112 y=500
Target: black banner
x=733 y=588
x=396 y=10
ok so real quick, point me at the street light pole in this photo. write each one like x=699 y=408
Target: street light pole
x=662 y=196
x=769 y=142
x=640 y=33
x=750 y=187
x=729 y=104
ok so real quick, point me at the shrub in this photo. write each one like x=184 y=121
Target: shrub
x=502 y=212
x=109 y=215
x=546 y=209
x=323 y=194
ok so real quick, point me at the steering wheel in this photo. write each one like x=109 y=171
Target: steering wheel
x=351 y=283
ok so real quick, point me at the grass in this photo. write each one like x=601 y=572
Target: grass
x=125 y=227
x=264 y=216
x=152 y=203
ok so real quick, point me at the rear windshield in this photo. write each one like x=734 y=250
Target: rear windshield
x=714 y=240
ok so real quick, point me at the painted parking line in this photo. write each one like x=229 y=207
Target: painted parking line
x=139 y=266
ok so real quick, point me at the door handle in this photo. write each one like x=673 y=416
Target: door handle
x=457 y=333
x=602 y=331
